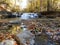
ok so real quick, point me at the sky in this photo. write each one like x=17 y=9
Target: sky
x=22 y=4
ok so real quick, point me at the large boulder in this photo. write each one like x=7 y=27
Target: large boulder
x=26 y=36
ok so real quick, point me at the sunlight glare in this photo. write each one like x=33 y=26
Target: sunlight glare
x=23 y=4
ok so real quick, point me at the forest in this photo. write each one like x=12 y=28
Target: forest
x=29 y=5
